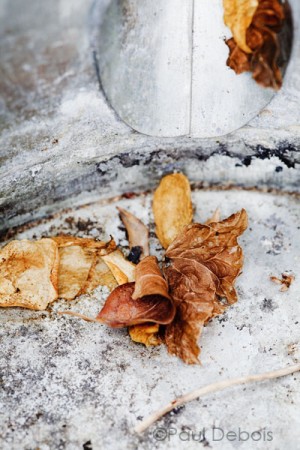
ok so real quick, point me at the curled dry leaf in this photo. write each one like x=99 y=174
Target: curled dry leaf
x=149 y=280
x=172 y=207
x=138 y=235
x=238 y=15
x=122 y=270
x=152 y=305
x=29 y=274
x=262 y=38
x=205 y=261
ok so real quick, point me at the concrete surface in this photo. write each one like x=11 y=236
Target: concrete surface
x=60 y=138
x=66 y=382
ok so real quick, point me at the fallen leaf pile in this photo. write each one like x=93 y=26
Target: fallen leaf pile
x=200 y=267
x=255 y=46
x=167 y=302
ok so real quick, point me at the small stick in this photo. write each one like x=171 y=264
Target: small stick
x=81 y=316
x=141 y=427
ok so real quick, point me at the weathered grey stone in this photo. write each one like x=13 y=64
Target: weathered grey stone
x=60 y=137
x=65 y=382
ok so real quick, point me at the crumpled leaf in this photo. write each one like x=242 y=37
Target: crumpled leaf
x=205 y=261
x=138 y=235
x=29 y=274
x=238 y=15
x=152 y=305
x=78 y=260
x=262 y=37
x=122 y=269
x=172 y=207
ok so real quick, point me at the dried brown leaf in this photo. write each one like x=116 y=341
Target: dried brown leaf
x=29 y=273
x=138 y=233
x=205 y=261
x=149 y=279
x=120 y=310
x=238 y=15
x=172 y=207
x=152 y=305
x=262 y=38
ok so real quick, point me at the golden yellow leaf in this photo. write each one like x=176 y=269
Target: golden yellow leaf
x=238 y=15
x=172 y=207
x=146 y=333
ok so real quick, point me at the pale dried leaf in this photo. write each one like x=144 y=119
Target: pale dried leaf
x=172 y=207
x=238 y=15
x=138 y=233
x=74 y=267
x=122 y=269
x=28 y=274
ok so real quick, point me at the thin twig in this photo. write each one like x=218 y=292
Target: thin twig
x=81 y=316
x=141 y=427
